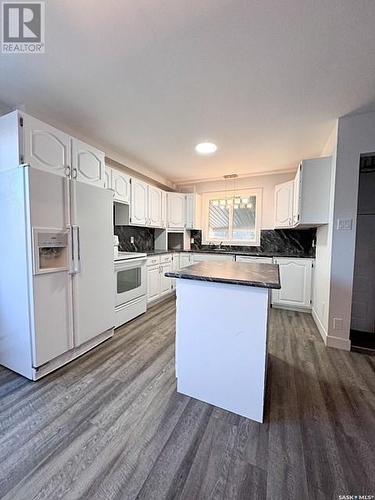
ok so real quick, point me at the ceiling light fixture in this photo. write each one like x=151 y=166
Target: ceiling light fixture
x=206 y=148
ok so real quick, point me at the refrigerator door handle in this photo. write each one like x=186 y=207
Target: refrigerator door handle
x=78 y=245
x=72 y=249
x=76 y=257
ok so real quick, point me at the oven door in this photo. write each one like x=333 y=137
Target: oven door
x=130 y=278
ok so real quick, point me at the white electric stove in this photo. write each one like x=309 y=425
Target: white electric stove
x=130 y=286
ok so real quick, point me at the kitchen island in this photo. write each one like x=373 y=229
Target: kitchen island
x=221 y=333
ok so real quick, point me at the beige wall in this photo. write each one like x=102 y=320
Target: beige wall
x=265 y=182
x=356 y=135
x=322 y=271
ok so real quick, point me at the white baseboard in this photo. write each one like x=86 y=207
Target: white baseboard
x=319 y=326
x=330 y=340
x=338 y=343
x=292 y=308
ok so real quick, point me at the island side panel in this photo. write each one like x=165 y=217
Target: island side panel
x=221 y=345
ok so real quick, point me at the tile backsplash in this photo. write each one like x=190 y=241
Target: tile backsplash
x=298 y=242
x=291 y=242
x=144 y=238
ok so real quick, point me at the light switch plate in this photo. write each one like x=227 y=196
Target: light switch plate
x=344 y=224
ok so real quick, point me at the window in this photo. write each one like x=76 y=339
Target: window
x=232 y=219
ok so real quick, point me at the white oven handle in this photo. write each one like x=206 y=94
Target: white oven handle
x=128 y=264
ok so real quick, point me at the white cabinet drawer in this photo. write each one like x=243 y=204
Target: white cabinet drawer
x=152 y=261
x=166 y=258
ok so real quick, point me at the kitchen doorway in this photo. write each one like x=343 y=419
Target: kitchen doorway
x=362 y=332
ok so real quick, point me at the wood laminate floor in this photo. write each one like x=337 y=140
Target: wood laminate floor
x=111 y=426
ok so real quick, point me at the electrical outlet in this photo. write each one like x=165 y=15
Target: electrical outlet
x=344 y=224
x=191 y=240
x=132 y=240
x=337 y=323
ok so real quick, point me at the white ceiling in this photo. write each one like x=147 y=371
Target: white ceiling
x=148 y=79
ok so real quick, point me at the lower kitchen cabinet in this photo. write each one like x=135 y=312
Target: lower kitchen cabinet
x=212 y=257
x=175 y=267
x=296 y=283
x=186 y=259
x=165 y=283
x=258 y=260
x=158 y=284
x=153 y=282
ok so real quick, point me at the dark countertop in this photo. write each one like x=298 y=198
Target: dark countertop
x=235 y=273
x=232 y=252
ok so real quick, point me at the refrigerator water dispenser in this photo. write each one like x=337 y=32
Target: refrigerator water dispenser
x=50 y=250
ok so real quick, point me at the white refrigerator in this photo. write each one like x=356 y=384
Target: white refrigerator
x=56 y=269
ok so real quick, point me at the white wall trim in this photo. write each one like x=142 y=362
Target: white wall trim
x=330 y=340
x=183 y=182
x=319 y=326
x=338 y=343
x=306 y=310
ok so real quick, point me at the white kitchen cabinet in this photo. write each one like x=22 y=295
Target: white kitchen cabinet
x=155 y=207
x=296 y=283
x=297 y=196
x=52 y=150
x=175 y=267
x=176 y=210
x=153 y=282
x=250 y=258
x=312 y=191
x=212 y=257
x=108 y=178
x=120 y=184
x=193 y=211
x=186 y=259
x=163 y=209
x=88 y=164
x=138 y=202
x=284 y=204
x=165 y=282
x=159 y=285
x=45 y=147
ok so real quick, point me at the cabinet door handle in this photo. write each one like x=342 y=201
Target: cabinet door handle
x=74 y=173
x=67 y=170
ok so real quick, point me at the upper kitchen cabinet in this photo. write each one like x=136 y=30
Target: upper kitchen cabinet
x=164 y=209
x=87 y=164
x=193 y=211
x=108 y=178
x=284 y=204
x=304 y=202
x=155 y=207
x=45 y=147
x=312 y=188
x=176 y=210
x=49 y=149
x=120 y=185
x=138 y=202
